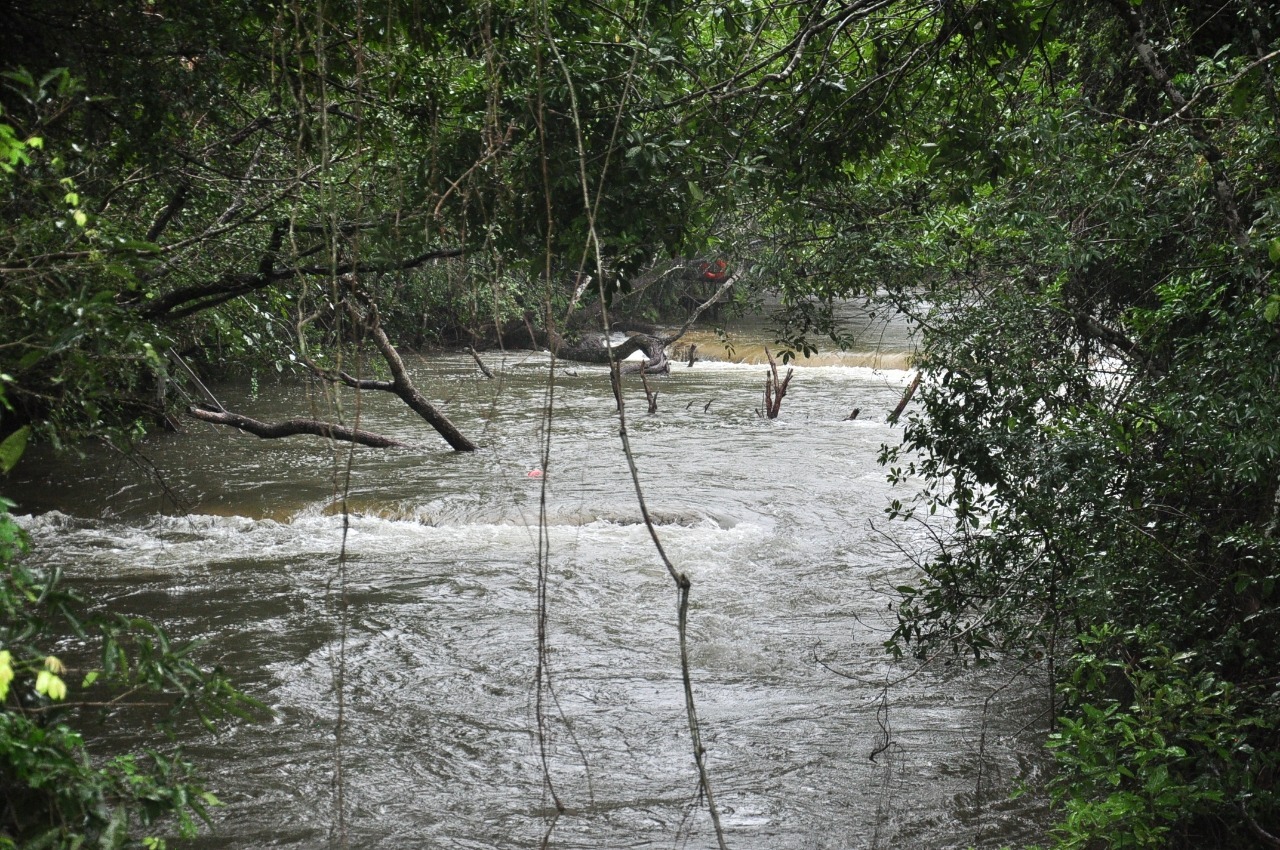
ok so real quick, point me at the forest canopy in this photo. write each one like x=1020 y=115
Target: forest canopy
x=1078 y=205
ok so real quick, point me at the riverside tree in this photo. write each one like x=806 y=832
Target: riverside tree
x=1080 y=212
x=263 y=185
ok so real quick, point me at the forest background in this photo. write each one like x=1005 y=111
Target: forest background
x=1076 y=203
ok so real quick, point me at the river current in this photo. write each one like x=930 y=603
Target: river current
x=427 y=606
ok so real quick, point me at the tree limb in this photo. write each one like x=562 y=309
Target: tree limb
x=293 y=427
x=194 y=299
x=175 y=205
x=716 y=296
x=1112 y=338
x=401 y=385
x=906 y=397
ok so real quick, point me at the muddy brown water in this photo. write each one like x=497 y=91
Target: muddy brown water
x=779 y=524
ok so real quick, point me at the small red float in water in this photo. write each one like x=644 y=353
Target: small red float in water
x=535 y=473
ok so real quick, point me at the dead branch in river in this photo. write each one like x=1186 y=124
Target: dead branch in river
x=400 y=385
x=476 y=357
x=649 y=393
x=906 y=397
x=294 y=427
x=774 y=390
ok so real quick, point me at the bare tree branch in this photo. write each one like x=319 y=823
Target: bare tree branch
x=693 y=317
x=401 y=385
x=194 y=299
x=293 y=427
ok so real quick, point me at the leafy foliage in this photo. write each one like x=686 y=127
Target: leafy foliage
x=208 y=176
x=1153 y=740
x=1098 y=419
x=57 y=791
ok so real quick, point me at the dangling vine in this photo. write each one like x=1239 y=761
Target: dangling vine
x=592 y=249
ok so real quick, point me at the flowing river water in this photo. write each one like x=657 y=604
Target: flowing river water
x=814 y=737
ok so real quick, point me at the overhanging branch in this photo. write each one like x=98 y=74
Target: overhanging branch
x=294 y=427
x=189 y=300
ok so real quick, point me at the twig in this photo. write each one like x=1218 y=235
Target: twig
x=199 y=383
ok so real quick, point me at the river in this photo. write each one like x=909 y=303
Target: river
x=815 y=738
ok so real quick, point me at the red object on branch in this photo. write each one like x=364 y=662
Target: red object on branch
x=715 y=270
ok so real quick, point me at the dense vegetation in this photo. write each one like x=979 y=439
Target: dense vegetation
x=1077 y=203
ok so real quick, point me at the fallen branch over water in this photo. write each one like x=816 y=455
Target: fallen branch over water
x=294 y=427
x=906 y=397
x=479 y=362
x=400 y=385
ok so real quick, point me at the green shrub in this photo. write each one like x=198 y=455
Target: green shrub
x=57 y=791
x=1154 y=748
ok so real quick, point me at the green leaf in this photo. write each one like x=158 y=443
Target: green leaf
x=13 y=447
x=1272 y=311
x=6 y=672
x=49 y=684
